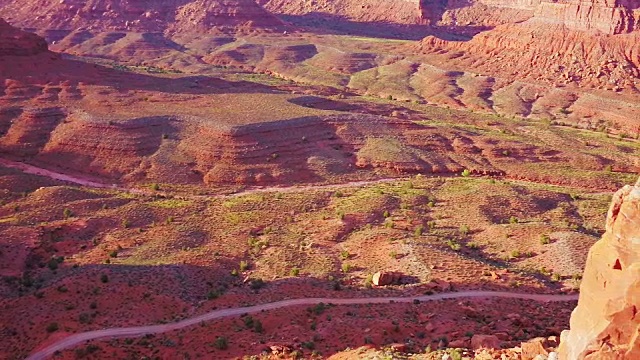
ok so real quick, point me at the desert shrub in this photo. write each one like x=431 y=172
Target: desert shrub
x=221 y=343
x=466 y=173
x=257 y=326
x=126 y=223
x=545 y=239
x=84 y=318
x=53 y=264
x=154 y=187
x=368 y=281
x=234 y=272
x=67 y=213
x=515 y=254
x=317 y=309
x=244 y=265
x=463 y=230
x=513 y=220
x=52 y=327
x=294 y=272
x=256 y=284
x=386 y=214
x=419 y=230
x=453 y=245
x=346 y=268
x=248 y=321
x=213 y=294
x=344 y=255
x=113 y=254
x=104 y=278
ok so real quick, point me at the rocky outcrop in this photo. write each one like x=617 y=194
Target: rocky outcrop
x=14 y=42
x=606 y=323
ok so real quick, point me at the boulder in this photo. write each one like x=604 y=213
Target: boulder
x=386 y=278
x=532 y=349
x=485 y=342
x=606 y=322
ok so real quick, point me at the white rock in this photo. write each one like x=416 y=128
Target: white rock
x=553 y=356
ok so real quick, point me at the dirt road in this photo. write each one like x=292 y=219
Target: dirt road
x=80 y=338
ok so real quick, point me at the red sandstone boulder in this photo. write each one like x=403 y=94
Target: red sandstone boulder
x=386 y=278
x=533 y=348
x=485 y=342
x=606 y=323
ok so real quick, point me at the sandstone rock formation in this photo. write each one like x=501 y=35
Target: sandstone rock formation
x=607 y=16
x=606 y=323
x=173 y=16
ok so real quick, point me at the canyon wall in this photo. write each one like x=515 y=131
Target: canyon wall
x=607 y=16
x=606 y=323
x=137 y=15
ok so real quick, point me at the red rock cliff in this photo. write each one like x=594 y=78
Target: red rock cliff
x=607 y=16
x=606 y=323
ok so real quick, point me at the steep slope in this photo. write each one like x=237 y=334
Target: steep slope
x=137 y=15
x=14 y=42
x=606 y=324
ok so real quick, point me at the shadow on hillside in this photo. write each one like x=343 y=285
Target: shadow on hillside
x=333 y=24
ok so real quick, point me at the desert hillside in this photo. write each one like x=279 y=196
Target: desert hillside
x=231 y=179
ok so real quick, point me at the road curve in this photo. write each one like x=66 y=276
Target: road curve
x=76 y=339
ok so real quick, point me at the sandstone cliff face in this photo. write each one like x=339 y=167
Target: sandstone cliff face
x=606 y=323
x=607 y=16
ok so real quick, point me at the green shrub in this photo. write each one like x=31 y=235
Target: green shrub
x=545 y=239
x=466 y=173
x=52 y=327
x=221 y=343
x=104 y=278
x=244 y=265
x=67 y=213
x=257 y=326
x=294 y=272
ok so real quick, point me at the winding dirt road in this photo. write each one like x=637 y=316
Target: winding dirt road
x=84 y=181
x=137 y=331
